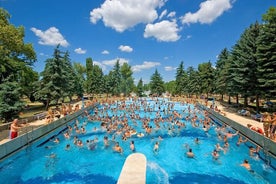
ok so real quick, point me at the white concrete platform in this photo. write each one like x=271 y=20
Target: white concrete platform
x=134 y=170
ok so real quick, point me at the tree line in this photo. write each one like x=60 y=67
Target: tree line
x=247 y=70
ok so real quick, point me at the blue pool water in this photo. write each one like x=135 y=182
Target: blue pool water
x=168 y=165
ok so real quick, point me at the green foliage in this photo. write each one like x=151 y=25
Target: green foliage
x=180 y=80
x=170 y=87
x=206 y=75
x=140 y=89
x=89 y=77
x=116 y=79
x=193 y=85
x=127 y=82
x=15 y=55
x=16 y=75
x=157 y=84
x=97 y=82
x=221 y=72
x=266 y=53
x=10 y=103
x=58 y=79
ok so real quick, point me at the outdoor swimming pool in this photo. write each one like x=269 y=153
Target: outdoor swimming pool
x=167 y=165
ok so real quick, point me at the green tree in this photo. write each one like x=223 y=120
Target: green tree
x=127 y=82
x=15 y=55
x=206 y=74
x=140 y=89
x=53 y=83
x=116 y=79
x=221 y=72
x=170 y=87
x=266 y=52
x=193 y=85
x=157 y=84
x=89 y=75
x=28 y=81
x=245 y=64
x=97 y=82
x=80 y=72
x=72 y=85
x=180 y=80
x=10 y=103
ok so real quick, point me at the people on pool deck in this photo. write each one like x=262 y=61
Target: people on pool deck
x=14 y=129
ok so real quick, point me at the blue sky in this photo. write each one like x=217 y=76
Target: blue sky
x=147 y=34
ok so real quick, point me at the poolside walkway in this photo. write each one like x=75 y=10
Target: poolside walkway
x=233 y=115
x=30 y=126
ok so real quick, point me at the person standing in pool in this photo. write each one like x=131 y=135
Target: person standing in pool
x=156 y=147
x=246 y=165
x=190 y=153
x=132 y=146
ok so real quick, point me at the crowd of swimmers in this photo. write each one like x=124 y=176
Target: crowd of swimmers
x=120 y=122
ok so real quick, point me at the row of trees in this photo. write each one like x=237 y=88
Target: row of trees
x=247 y=70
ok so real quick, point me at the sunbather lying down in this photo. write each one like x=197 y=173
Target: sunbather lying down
x=244 y=112
x=256 y=129
x=257 y=117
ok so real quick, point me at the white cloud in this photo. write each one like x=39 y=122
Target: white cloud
x=169 y=68
x=51 y=36
x=146 y=65
x=208 y=12
x=105 y=52
x=80 y=51
x=171 y=14
x=124 y=14
x=163 y=14
x=113 y=61
x=125 y=48
x=100 y=65
x=165 y=30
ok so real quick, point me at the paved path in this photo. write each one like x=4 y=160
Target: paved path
x=243 y=120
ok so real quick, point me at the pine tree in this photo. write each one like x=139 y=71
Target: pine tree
x=157 y=84
x=127 y=83
x=180 y=80
x=10 y=103
x=266 y=53
x=206 y=74
x=221 y=72
x=140 y=88
x=89 y=75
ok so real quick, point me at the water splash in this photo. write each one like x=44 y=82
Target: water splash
x=162 y=177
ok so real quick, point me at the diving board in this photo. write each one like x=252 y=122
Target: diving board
x=134 y=170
